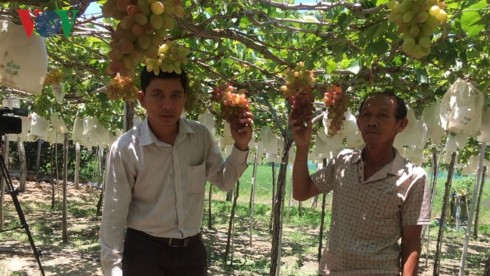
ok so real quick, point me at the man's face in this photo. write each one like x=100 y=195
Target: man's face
x=377 y=121
x=164 y=101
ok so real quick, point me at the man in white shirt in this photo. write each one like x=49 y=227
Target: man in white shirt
x=155 y=179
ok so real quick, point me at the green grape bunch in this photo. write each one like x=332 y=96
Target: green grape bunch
x=171 y=57
x=298 y=91
x=417 y=20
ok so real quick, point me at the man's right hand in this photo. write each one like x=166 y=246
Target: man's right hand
x=301 y=133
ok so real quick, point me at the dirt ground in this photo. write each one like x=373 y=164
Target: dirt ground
x=80 y=255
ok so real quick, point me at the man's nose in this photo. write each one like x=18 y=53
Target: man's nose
x=166 y=103
x=372 y=121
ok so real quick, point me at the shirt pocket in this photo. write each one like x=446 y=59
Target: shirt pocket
x=196 y=176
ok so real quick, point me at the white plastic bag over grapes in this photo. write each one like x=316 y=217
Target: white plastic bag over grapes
x=23 y=59
x=432 y=118
x=461 y=108
x=77 y=131
x=58 y=124
x=484 y=136
x=410 y=135
x=26 y=126
x=39 y=127
x=208 y=120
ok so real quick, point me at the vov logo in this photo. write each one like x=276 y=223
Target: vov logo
x=47 y=23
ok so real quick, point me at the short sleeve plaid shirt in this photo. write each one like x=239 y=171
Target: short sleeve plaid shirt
x=367 y=215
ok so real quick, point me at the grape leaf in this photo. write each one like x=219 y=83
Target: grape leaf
x=470 y=18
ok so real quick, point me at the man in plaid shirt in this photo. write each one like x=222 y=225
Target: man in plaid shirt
x=379 y=197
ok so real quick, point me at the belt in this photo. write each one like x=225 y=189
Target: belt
x=171 y=242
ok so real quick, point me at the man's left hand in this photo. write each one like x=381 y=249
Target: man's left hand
x=241 y=130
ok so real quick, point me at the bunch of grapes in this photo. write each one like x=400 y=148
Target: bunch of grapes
x=232 y=102
x=54 y=77
x=121 y=87
x=142 y=28
x=171 y=56
x=337 y=103
x=298 y=92
x=417 y=20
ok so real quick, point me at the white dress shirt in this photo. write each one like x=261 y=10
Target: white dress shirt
x=158 y=188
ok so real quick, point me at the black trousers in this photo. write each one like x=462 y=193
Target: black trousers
x=147 y=255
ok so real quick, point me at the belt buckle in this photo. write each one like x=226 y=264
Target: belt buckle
x=178 y=242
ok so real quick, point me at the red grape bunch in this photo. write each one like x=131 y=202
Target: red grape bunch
x=298 y=92
x=337 y=103
x=171 y=56
x=417 y=20
x=141 y=29
x=232 y=102
x=121 y=87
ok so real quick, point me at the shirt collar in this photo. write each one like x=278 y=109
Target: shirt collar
x=147 y=136
x=395 y=167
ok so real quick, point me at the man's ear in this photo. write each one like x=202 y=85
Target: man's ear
x=403 y=123
x=141 y=98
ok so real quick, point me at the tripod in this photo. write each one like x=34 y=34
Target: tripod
x=14 y=192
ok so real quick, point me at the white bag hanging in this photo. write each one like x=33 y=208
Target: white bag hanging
x=414 y=154
x=77 y=131
x=58 y=124
x=208 y=120
x=432 y=119
x=11 y=102
x=54 y=137
x=471 y=165
x=484 y=136
x=23 y=60
x=349 y=127
x=410 y=135
x=39 y=126
x=26 y=126
x=461 y=108
x=89 y=123
x=58 y=92
x=101 y=135
x=333 y=144
x=321 y=149
x=450 y=148
x=270 y=143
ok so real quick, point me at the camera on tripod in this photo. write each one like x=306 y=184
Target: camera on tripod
x=11 y=124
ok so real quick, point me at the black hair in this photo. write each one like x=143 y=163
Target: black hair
x=146 y=77
x=401 y=107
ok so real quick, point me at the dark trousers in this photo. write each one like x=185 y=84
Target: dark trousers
x=147 y=255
